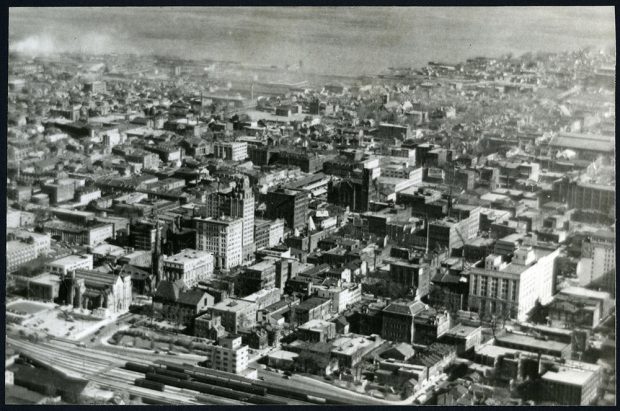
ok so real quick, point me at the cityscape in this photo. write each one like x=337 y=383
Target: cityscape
x=311 y=206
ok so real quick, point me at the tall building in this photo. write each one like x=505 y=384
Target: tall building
x=291 y=205
x=356 y=191
x=598 y=257
x=233 y=151
x=222 y=238
x=236 y=202
x=230 y=355
x=190 y=266
x=144 y=235
x=511 y=290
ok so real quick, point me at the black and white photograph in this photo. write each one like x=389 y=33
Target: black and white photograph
x=296 y=205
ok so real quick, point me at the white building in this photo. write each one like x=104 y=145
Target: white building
x=222 y=238
x=276 y=232
x=232 y=151
x=41 y=242
x=70 y=263
x=341 y=297
x=598 y=257
x=229 y=355
x=189 y=265
x=510 y=290
x=86 y=197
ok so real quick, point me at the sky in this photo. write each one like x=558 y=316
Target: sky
x=340 y=40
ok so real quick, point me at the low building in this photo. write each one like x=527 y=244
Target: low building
x=236 y=314
x=189 y=266
x=314 y=308
x=341 y=297
x=580 y=307
x=209 y=326
x=70 y=263
x=398 y=323
x=570 y=386
x=523 y=342
x=174 y=302
x=317 y=331
x=464 y=337
x=44 y=287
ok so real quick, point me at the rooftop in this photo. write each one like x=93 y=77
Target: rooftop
x=531 y=342
x=568 y=376
x=71 y=259
x=585 y=292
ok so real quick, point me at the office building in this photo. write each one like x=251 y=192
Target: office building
x=598 y=257
x=70 y=263
x=189 y=266
x=231 y=151
x=222 y=238
x=229 y=355
x=511 y=290
x=290 y=205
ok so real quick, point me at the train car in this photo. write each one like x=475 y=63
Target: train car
x=153 y=401
x=281 y=392
x=173 y=374
x=151 y=385
x=163 y=379
x=262 y=400
x=316 y=400
x=232 y=384
x=132 y=366
x=175 y=368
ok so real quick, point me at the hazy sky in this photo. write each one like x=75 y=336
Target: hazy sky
x=338 y=40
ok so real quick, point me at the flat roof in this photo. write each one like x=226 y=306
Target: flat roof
x=186 y=255
x=232 y=304
x=315 y=324
x=568 y=376
x=528 y=341
x=283 y=355
x=46 y=278
x=461 y=330
x=71 y=259
x=585 y=292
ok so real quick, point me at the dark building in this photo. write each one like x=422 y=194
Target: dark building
x=354 y=192
x=398 y=324
x=291 y=205
x=314 y=308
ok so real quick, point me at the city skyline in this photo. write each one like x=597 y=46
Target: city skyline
x=339 y=40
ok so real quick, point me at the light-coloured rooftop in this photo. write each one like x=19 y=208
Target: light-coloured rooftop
x=568 y=376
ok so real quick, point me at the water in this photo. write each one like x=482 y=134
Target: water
x=327 y=40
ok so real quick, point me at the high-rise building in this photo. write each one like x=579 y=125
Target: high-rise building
x=221 y=237
x=598 y=257
x=291 y=205
x=236 y=202
x=511 y=290
x=233 y=151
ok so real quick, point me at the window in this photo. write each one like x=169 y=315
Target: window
x=494 y=282
x=483 y=285
x=504 y=291
x=514 y=291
